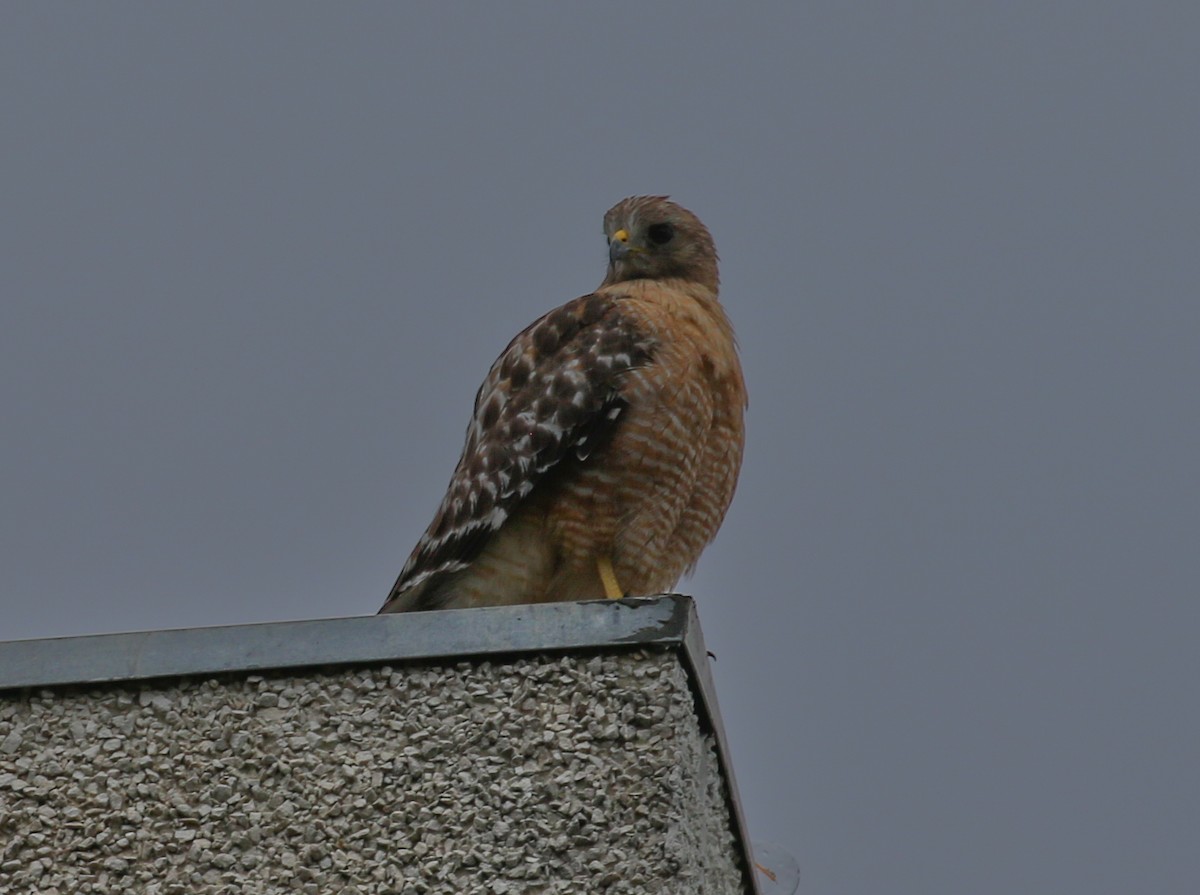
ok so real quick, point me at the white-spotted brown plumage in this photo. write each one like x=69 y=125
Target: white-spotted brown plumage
x=608 y=431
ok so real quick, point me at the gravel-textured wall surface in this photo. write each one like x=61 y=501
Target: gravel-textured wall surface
x=576 y=774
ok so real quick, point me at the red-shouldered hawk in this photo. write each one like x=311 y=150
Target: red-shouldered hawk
x=606 y=439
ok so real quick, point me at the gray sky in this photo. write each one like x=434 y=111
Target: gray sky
x=256 y=259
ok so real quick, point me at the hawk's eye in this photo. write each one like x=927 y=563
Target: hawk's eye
x=660 y=234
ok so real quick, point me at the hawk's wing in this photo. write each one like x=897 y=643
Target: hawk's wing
x=551 y=397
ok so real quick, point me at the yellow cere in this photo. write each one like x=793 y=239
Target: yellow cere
x=621 y=235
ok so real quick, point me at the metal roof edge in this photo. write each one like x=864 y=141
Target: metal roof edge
x=696 y=658
x=401 y=637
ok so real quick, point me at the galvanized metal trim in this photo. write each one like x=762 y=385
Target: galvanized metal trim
x=403 y=637
x=696 y=660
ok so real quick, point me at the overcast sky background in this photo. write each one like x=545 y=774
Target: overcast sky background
x=255 y=260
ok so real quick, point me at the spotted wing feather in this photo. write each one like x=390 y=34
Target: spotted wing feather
x=550 y=399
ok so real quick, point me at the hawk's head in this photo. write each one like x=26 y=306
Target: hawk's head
x=650 y=237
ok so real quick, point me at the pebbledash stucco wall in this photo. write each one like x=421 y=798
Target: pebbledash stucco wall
x=595 y=770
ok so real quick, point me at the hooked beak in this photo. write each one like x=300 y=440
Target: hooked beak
x=618 y=247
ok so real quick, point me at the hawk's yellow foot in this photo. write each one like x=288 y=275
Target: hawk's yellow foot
x=612 y=590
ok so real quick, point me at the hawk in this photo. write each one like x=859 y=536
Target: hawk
x=606 y=439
